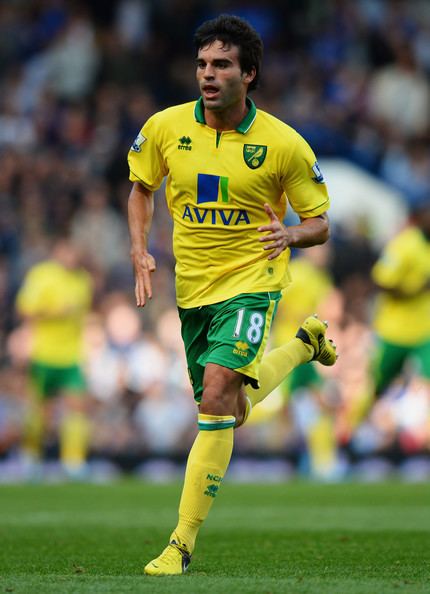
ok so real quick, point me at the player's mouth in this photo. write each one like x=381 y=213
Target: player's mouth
x=210 y=92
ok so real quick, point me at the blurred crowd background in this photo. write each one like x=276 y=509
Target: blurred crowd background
x=77 y=81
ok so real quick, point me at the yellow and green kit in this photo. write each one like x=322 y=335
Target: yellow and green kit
x=402 y=313
x=57 y=300
x=217 y=184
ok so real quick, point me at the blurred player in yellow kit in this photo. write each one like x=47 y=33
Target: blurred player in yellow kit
x=311 y=286
x=230 y=169
x=402 y=316
x=54 y=299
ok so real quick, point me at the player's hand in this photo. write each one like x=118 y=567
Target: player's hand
x=278 y=238
x=144 y=265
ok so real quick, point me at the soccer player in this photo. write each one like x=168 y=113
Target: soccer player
x=54 y=298
x=230 y=168
x=402 y=315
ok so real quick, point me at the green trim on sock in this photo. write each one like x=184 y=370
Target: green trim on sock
x=216 y=426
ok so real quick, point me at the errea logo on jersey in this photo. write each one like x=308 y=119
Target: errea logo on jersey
x=185 y=143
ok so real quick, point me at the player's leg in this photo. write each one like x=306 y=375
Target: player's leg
x=207 y=463
x=387 y=364
x=64 y=393
x=422 y=353
x=39 y=391
x=74 y=430
x=304 y=387
x=310 y=344
x=211 y=451
x=230 y=340
x=195 y=324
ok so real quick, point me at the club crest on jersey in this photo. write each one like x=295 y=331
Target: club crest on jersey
x=319 y=177
x=254 y=155
x=139 y=140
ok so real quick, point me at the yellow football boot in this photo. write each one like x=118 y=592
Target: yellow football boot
x=312 y=332
x=174 y=560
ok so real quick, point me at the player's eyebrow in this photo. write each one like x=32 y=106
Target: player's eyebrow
x=215 y=62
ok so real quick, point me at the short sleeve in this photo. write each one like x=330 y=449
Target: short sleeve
x=32 y=294
x=397 y=267
x=303 y=182
x=145 y=158
x=388 y=270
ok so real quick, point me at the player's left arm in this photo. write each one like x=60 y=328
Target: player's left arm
x=392 y=271
x=311 y=231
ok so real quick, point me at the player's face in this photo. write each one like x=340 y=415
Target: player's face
x=221 y=80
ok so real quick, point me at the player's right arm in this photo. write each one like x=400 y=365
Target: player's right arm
x=140 y=212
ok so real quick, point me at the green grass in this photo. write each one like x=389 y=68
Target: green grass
x=296 y=538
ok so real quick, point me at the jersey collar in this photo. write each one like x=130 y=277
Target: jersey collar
x=245 y=124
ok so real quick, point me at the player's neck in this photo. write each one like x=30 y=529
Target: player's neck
x=228 y=119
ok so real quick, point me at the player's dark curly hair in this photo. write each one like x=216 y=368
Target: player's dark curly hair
x=235 y=31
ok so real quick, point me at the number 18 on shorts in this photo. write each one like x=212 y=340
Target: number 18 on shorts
x=232 y=333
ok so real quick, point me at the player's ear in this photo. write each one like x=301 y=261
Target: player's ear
x=248 y=77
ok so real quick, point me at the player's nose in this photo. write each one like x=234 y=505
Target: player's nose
x=209 y=72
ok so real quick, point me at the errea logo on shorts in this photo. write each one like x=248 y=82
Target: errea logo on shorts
x=241 y=348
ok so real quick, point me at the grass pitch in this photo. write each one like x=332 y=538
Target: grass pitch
x=297 y=538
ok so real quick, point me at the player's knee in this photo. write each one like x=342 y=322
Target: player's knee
x=215 y=402
x=221 y=390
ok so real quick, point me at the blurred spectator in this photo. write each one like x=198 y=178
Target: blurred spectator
x=13 y=409
x=122 y=359
x=407 y=167
x=72 y=59
x=139 y=378
x=399 y=94
x=99 y=229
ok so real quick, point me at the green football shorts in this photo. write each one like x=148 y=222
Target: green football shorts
x=390 y=358
x=232 y=333
x=48 y=381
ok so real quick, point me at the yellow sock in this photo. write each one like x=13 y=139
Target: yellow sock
x=33 y=432
x=74 y=439
x=207 y=463
x=322 y=446
x=276 y=365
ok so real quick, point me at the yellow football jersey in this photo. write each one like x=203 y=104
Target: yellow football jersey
x=217 y=184
x=404 y=265
x=57 y=300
